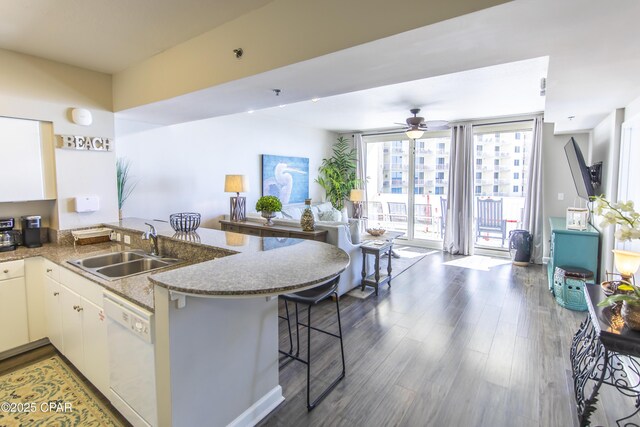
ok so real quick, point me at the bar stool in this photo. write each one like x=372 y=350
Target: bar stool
x=310 y=298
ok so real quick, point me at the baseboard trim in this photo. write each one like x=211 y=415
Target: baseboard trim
x=24 y=348
x=259 y=410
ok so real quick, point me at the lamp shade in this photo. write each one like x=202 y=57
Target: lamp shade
x=235 y=184
x=627 y=262
x=356 y=195
x=414 y=133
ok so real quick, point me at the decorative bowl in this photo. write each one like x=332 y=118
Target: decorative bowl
x=376 y=231
x=185 y=221
x=610 y=287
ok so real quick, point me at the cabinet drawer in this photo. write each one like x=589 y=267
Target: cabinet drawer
x=11 y=269
x=250 y=231
x=52 y=270
x=273 y=233
x=229 y=227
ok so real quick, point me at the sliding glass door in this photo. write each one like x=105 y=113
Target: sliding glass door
x=500 y=180
x=407 y=185
x=387 y=188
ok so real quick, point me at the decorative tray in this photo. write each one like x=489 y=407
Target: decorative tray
x=90 y=236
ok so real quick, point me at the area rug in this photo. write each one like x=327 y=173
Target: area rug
x=408 y=256
x=478 y=262
x=48 y=393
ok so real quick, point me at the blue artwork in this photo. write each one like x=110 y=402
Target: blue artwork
x=287 y=178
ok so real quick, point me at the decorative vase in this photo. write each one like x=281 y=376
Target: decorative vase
x=269 y=216
x=307 y=222
x=631 y=315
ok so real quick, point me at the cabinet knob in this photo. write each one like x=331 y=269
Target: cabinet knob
x=55 y=294
x=5 y=271
x=49 y=270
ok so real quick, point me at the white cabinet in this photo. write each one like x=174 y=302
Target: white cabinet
x=71 y=306
x=26 y=145
x=96 y=351
x=84 y=327
x=13 y=306
x=53 y=312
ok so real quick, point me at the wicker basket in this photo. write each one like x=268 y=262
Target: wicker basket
x=377 y=232
x=91 y=236
x=185 y=221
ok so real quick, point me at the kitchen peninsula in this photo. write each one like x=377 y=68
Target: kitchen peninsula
x=214 y=330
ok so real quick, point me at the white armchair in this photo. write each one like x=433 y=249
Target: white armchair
x=340 y=236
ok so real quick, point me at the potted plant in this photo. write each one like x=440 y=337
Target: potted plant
x=630 y=304
x=123 y=181
x=627 y=219
x=337 y=174
x=268 y=205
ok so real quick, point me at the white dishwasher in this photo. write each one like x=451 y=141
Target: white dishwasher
x=132 y=381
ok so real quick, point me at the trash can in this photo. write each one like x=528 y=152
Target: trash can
x=520 y=247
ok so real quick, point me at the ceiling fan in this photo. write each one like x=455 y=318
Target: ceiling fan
x=416 y=126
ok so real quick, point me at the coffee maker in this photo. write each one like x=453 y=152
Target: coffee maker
x=8 y=236
x=31 y=231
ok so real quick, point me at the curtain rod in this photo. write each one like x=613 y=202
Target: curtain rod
x=504 y=122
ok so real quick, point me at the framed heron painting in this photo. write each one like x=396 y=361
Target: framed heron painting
x=285 y=177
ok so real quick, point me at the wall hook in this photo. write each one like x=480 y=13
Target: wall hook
x=238 y=52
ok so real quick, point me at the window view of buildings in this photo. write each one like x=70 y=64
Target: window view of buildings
x=500 y=174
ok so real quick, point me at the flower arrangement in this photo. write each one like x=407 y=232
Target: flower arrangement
x=269 y=204
x=620 y=213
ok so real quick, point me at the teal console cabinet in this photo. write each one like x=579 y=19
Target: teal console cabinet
x=572 y=248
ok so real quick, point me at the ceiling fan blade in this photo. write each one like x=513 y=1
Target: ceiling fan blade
x=436 y=123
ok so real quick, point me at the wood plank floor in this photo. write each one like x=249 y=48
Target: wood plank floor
x=445 y=346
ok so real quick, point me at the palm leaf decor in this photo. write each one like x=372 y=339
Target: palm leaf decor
x=337 y=174
x=123 y=178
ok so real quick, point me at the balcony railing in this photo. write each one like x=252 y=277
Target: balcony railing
x=442 y=167
x=441 y=180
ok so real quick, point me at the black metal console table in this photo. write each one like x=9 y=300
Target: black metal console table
x=603 y=352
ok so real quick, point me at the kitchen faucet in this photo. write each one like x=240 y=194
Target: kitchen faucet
x=153 y=236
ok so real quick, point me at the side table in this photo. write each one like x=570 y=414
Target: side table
x=377 y=249
x=388 y=236
x=602 y=351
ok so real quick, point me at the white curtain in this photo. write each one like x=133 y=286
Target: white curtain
x=532 y=218
x=361 y=167
x=458 y=235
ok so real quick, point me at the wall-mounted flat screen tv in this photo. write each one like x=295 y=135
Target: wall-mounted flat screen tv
x=579 y=170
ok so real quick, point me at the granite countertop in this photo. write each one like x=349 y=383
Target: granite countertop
x=253 y=265
x=136 y=289
x=284 y=265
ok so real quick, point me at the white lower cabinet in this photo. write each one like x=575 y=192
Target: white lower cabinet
x=72 y=327
x=76 y=324
x=96 y=351
x=13 y=306
x=52 y=304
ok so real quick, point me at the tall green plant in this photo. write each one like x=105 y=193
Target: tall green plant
x=337 y=174
x=123 y=178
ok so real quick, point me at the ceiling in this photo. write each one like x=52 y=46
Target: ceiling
x=475 y=65
x=590 y=72
x=98 y=34
x=495 y=91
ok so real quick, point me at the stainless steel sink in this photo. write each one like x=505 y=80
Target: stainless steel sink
x=119 y=265
x=108 y=259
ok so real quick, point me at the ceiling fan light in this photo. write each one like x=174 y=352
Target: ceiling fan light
x=414 y=133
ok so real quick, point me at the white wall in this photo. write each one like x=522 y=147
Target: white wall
x=38 y=89
x=605 y=148
x=557 y=176
x=181 y=168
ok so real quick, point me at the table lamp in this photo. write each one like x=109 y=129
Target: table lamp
x=236 y=184
x=627 y=263
x=357 y=197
